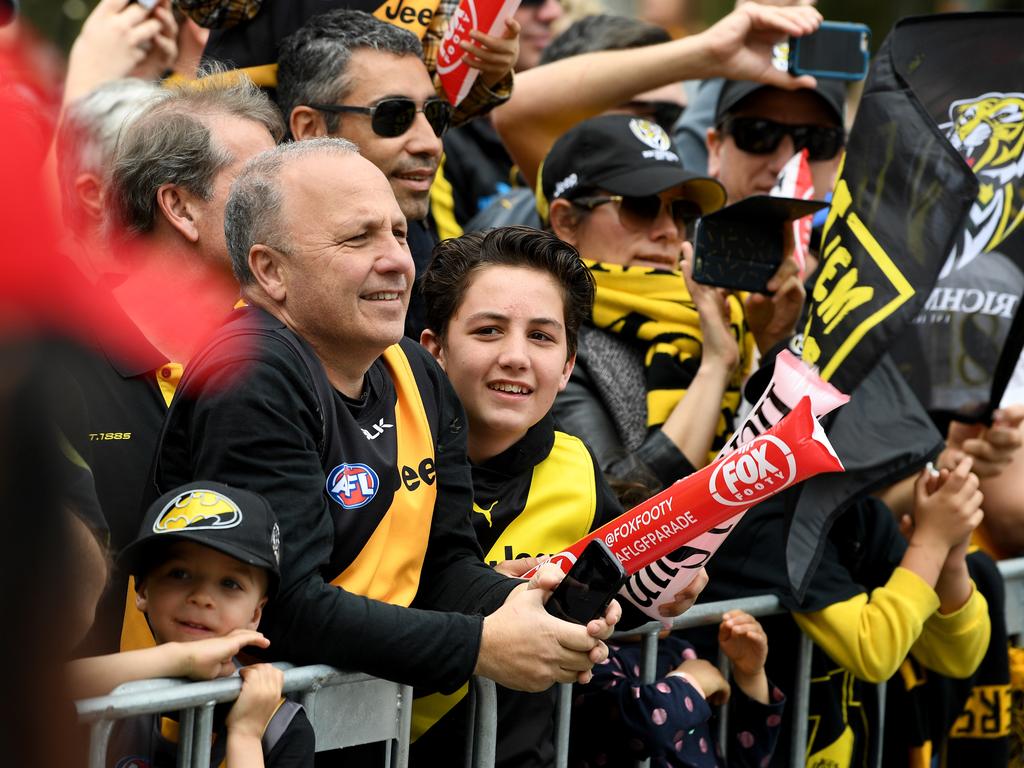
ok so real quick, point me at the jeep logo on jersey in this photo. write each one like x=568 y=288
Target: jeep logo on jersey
x=758 y=470
x=197 y=509
x=352 y=485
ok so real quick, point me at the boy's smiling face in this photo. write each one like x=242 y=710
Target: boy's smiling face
x=505 y=353
x=197 y=593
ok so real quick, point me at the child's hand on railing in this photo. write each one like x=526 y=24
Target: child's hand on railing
x=742 y=638
x=210 y=659
x=248 y=718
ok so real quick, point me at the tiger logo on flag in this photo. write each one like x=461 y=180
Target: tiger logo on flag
x=988 y=131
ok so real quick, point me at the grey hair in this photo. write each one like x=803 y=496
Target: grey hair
x=89 y=132
x=312 y=62
x=252 y=214
x=171 y=143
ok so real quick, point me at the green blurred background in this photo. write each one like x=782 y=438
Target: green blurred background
x=60 y=20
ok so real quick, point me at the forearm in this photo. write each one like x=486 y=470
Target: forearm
x=755 y=686
x=871 y=637
x=953 y=586
x=692 y=424
x=481 y=100
x=244 y=750
x=550 y=99
x=100 y=675
x=954 y=644
x=317 y=623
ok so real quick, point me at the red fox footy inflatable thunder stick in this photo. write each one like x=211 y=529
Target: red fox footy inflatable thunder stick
x=657 y=584
x=793 y=450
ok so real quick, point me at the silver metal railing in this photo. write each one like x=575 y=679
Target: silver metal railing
x=348 y=709
x=345 y=708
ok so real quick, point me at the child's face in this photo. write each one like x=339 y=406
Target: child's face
x=198 y=593
x=505 y=354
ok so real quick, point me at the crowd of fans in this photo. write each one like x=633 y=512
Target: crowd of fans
x=377 y=356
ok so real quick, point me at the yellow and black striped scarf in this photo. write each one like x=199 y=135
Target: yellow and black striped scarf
x=651 y=308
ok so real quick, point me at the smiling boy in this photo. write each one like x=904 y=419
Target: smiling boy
x=205 y=563
x=503 y=312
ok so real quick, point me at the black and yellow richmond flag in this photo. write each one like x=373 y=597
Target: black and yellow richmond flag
x=965 y=341
x=905 y=212
x=918 y=259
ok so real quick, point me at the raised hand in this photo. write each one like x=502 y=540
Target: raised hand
x=494 y=56
x=212 y=658
x=741 y=43
x=121 y=39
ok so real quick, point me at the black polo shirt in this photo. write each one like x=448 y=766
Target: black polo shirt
x=120 y=413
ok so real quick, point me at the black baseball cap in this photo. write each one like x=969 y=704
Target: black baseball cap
x=624 y=155
x=831 y=92
x=238 y=523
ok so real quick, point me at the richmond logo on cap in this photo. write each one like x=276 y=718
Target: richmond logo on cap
x=762 y=467
x=198 y=509
x=651 y=134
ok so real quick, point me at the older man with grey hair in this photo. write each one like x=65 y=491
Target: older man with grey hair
x=164 y=197
x=311 y=396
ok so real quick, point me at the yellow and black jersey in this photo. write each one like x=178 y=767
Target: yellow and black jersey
x=859 y=561
x=373 y=499
x=536 y=498
x=539 y=496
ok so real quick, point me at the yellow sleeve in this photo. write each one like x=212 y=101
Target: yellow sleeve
x=442 y=205
x=871 y=637
x=954 y=644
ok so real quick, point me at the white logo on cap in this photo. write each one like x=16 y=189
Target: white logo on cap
x=651 y=134
x=275 y=542
x=566 y=184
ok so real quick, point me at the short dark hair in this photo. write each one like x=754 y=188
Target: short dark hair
x=312 y=61
x=454 y=262
x=603 y=32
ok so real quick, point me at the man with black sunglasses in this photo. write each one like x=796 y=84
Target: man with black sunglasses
x=349 y=75
x=758 y=129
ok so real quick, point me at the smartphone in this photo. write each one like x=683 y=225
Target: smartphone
x=594 y=579
x=741 y=246
x=838 y=50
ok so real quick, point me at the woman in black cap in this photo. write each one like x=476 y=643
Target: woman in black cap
x=660 y=364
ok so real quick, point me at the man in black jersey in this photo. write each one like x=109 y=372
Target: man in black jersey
x=308 y=397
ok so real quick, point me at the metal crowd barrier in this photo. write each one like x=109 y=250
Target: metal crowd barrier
x=348 y=709
x=345 y=708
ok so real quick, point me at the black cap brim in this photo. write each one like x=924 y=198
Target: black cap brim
x=133 y=558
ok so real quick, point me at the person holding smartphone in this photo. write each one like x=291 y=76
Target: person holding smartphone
x=661 y=359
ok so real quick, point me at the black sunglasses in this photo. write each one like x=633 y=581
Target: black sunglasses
x=760 y=136
x=641 y=212
x=393 y=117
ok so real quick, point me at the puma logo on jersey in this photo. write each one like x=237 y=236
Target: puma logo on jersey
x=378 y=430
x=485 y=512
